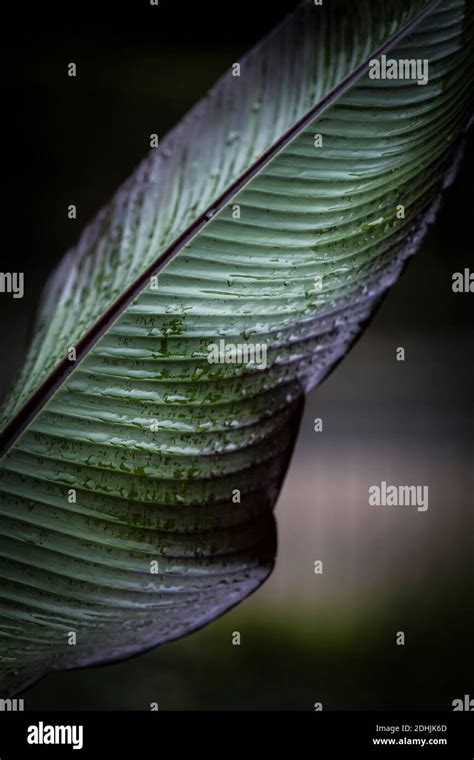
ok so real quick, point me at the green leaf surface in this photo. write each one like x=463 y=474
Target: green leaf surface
x=154 y=439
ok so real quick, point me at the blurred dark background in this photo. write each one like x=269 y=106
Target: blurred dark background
x=306 y=638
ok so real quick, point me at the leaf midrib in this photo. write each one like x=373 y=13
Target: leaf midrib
x=58 y=376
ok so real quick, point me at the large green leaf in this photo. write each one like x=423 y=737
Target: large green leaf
x=138 y=451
